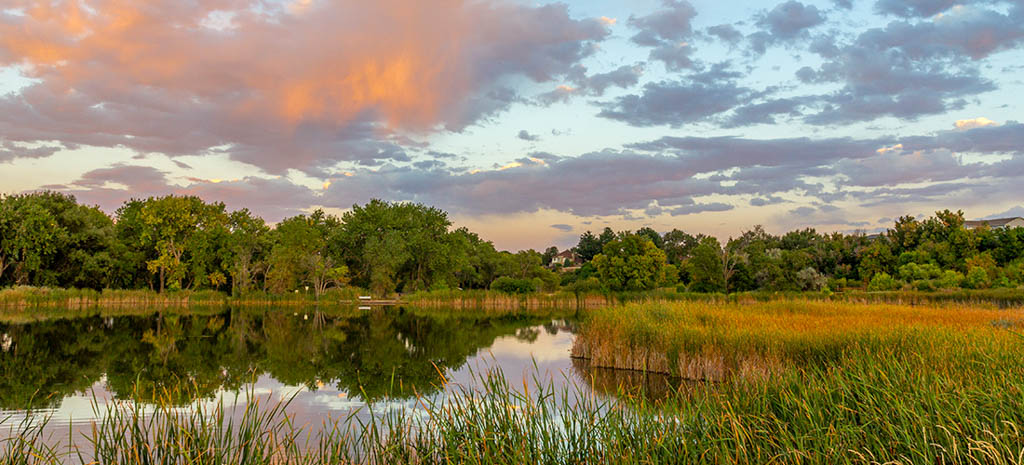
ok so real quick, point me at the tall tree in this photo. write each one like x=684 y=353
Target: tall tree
x=631 y=263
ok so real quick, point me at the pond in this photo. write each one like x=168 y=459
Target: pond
x=328 y=365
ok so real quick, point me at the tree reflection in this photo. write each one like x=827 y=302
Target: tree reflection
x=181 y=357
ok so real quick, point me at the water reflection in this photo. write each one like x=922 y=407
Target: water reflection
x=194 y=356
x=613 y=382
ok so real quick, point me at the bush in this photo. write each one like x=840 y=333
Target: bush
x=915 y=272
x=809 y=279
x=926 y=285
x=837 y=284
x=977 y=278
x=949 y=280
x=883 y=282
x=586 y=286
x=513 y=285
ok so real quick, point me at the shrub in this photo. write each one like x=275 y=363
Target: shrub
x=837 y=284
x=809 y=279
x=949 y=280
x=915 y=272
x=585 y=286
x=926 y=285
x=977 y=278
x=513 y=285
x=883 y=282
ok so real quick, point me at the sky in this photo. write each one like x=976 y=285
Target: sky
x=530 y=122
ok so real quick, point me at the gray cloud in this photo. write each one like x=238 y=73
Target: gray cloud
x=701 y=208
x=667 y=31
x=10 y=151
x=790 y=19
x=765 y=112
x=525 y=135
x=727 y=33
x=271 y=198
x=909 y=69
x=593 y=85
x=696 y=98
x=562 y=227
x=912 y=8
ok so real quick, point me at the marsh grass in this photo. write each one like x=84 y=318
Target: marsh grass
x=841 y=383
x=873 y=410
x=711 y=340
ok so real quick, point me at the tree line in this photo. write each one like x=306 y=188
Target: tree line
x=182 y=242
x=929 y=254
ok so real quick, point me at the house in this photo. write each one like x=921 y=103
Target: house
x=997 y=223
x=566 y=258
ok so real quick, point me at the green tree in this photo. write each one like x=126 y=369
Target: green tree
x=250 y=245
x=177 y=225
x=705 y=267
x=401 y=246
x=305 y=252
x=29 y=236
x=631 y=263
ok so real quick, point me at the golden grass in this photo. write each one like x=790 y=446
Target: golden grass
x=708 y=340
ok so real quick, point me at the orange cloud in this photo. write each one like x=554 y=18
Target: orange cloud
x=284 y=85
x=411 y=63
x=964 y=124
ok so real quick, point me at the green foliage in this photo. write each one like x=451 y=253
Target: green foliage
x=949 y=280
x=175 y=243
x=705 y=267
x=977 y=278
x=514 y=285
x=881 y=281
x=403 y=246
x=631 y=262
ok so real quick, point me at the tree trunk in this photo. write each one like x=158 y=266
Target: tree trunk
x=162 y=279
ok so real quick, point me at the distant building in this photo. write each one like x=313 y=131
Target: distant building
x=566 y=258
x=997 y=223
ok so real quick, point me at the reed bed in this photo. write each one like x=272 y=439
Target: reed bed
x=709 y=340
x=493 y=300
x=866 y=413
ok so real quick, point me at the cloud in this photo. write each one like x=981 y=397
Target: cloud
x=911 y=69
x=271 y=198
x=790 y=19
x=334 y=81
x=667 y=32
x=727 y=33
x=762 y=201
x=669 y=24
x=696 y=98
x=11 y=150
x=974 y=123
x=593 y=85
x=525 y=135
x=562 y=227
x=673 y=175
x=913 y=8
x=700 y=208
x=764 y=112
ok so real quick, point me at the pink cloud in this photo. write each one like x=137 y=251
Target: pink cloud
x=289 y=82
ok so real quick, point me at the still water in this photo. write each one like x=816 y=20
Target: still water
x=330 y=365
